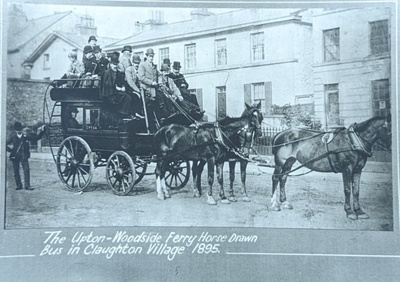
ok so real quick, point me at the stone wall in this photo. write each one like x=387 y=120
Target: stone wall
x=25 y=102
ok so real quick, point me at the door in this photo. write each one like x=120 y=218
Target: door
x=221 y=102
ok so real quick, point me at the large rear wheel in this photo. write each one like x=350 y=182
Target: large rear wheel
x=75 y=163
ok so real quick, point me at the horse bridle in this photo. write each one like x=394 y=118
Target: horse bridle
x=249 y=133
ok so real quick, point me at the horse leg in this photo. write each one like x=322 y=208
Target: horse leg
x=160 y=194
x=356 y=194
x=195 y=169
x=220 y=176
x=210 y=167
x=200 y=167
x=162 y=178
x=276 y=177
x=231 y=195
x=347 y=175
x=286 y=168
x=243 y=166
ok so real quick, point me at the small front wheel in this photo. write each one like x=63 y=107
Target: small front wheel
x=177 y=174
x=120 y=173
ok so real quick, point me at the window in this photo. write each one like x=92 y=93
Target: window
x=257 y=46
x=164 y=54
x=46 y=61
x=306 y=103
x=380 y=97
x=379 y=37
x=190 y=56
x=259 y=92
x=331 y=45
x=220 y=52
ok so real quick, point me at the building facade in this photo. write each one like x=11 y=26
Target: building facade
x=253 y=55
x=352 y=64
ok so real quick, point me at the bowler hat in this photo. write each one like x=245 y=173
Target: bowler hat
x=136 y=59
x=167 y=61
x=87 y=49
x=149 y=52
x=17 y=126
x=114 y=59
x=126 y=48
x=164 y=67
x=176 y=66
x=92 y=37
x=96 y=49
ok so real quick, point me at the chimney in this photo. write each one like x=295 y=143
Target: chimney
x=199 y=14
x=156 y=19
x=86 y=26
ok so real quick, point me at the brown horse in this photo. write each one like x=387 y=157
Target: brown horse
x=208 y=143
x=345 y=151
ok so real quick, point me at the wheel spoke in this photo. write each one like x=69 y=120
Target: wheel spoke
x=73 y=180
x=71 y=147
x=168 y=176
x=177 y=176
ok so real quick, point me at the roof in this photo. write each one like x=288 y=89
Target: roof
x=211 y=24
x=76 y=40
x=18 y=38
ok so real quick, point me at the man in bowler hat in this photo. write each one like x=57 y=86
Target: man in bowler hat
x=20 y=153
x=149 y=76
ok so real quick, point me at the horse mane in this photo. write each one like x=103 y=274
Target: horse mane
x=228 y=120
x=363 y=125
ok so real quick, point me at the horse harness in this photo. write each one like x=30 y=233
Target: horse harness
x=356 y=144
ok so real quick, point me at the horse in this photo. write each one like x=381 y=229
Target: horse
x=202 y=144
x=239 y=148
x=342 y=151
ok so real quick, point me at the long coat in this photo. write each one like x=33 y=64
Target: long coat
x=148 y=74
x=124 y=63
x=132 y=79
x=110 y=80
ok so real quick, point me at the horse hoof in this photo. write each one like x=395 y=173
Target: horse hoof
x=246 y=199
x=225 y=201
x=161 y=197
x=167 y=195
x=351 y=215
x=232 y=199
x=211 y=201
x=196 y=194
x=287 y=206
x=361 y=215
x=275 y=208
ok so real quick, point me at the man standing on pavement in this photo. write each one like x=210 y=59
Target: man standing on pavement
x=20 y=154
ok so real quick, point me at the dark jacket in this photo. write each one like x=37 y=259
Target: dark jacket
x=102 y=65
x=90 y=65
x=110 y=80
x=21 y=145
x=179 y=80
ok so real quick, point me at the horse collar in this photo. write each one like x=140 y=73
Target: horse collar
x=356 y=143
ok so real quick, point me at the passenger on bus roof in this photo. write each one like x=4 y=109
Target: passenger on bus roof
x=75 y=70
x=112 y=89
x=133 y=86
x=149 y=76
x=125 y=58
x=90 y=66
x=102 y=62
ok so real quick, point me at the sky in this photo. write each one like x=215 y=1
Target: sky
x=111 y=21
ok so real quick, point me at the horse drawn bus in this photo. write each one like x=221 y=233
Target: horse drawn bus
x=100 y=137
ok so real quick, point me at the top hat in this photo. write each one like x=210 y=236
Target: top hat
x=92 y=37
x=167 y=61
x=114 y=59
x=176 y=66
x=87 y=49
x=17 y=126
x=96 y=49
x=126 y=48
x=149 y=52
x=164 y=67
x=136 y=59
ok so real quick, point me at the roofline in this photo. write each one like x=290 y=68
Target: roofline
x=30 y=39
x=179 y=37
x=45 y=44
